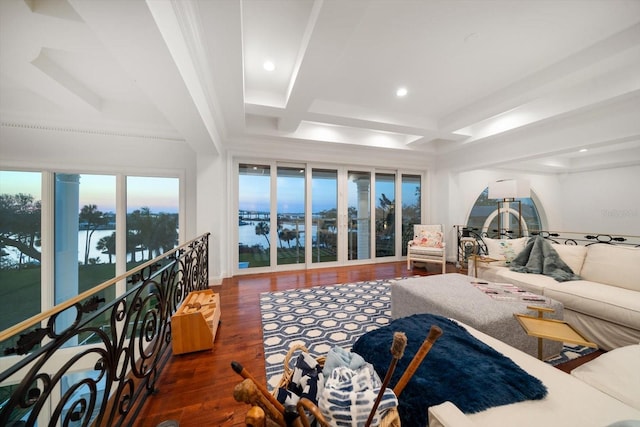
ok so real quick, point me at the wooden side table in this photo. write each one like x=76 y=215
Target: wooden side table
x=552 y=329
x=485 y=259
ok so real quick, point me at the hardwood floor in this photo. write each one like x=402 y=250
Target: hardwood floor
x=196 y=389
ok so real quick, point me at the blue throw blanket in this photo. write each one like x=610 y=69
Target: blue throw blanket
x=539 y=257
x=459 y=368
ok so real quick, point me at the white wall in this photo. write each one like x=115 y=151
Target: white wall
x=601 y=201
x=212 y=213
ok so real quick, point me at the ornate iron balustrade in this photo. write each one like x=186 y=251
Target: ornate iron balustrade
x=465 y=235
x=55 y=381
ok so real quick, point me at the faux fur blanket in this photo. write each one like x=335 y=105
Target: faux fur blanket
x=539 y=257
x=459 y=368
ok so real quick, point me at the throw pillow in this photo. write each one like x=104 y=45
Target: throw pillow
x=429 y=239
x=506 y=249
x=572 y=255
x=616 y=373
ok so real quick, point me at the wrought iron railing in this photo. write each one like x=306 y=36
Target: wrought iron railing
x=469 y=234
x=51 y=376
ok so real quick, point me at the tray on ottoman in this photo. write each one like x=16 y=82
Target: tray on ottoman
x=488 y=307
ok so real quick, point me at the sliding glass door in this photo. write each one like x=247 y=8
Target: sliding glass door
x=291 y=230
x=323 y=215
x=411 y=201
x=385 y=214
x=254 y=216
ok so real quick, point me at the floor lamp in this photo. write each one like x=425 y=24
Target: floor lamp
x=506 y=191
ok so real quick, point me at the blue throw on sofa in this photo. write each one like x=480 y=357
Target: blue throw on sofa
x=459 y=368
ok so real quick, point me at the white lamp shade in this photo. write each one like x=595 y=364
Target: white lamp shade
x=509 y=189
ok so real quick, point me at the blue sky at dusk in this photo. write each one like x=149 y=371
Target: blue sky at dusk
x=255 y=189
x=158 y=194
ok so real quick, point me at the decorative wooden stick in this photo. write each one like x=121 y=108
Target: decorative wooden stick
x=248 y=392
x=397 y=351
x=434 y=334
x=295 y=422
x=239 y=369
x=305 y=403
x=255 y=417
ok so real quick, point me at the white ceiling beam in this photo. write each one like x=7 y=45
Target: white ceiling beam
x=131 y=35
x=330 y=24
x=577 y=67
x=609 y=124
x=222 y=61
x=179 y=25
x=585 y=95
x=340 y=120
x=60 y=76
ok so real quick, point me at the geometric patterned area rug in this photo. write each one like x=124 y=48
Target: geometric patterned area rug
x=570 y=352
x=326 y=316
x=320 y=318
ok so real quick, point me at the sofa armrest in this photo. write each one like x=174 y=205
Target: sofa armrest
x=448 y=415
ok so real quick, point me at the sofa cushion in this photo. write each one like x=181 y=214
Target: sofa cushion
x=613 y=265
x=616 y=373
x=616 y=305
x=505 y=249
x=572 y=255
x=426 y=250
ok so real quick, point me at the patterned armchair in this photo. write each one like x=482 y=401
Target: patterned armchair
x=427 y=246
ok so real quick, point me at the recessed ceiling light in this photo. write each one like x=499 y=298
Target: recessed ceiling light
x=584 y=150
x=269 y=65
x=402 y=91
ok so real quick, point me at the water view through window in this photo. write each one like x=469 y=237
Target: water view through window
x=83 y=235
x=324 y=210
x=152 y=217
x=291 y=218
x=316 y=220
x=254 y=216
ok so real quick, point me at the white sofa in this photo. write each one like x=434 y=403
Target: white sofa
x=604 y=305
x=570 y=400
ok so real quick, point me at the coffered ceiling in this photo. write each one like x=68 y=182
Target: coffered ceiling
x=500 y=83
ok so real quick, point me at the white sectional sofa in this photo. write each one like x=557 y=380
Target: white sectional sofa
x=594 y=398
x=604 y=305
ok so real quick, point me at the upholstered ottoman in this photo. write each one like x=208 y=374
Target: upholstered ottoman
x=476 y=304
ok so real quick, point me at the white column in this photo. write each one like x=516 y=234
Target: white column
x=67 y=202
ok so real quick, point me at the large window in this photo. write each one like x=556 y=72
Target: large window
x=20 y=246
x=291 y=217
x=254 y=216
x=385 y=214
x=411 y=200
x=324 y=212
x=152 y=217
x=300 y=215
x=85 y=224
x=79 y=247
x=484 y=217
